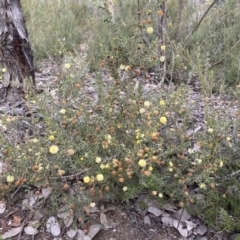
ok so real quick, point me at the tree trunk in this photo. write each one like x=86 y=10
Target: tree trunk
x=15 y=51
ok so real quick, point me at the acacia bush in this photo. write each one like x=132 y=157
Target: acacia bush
x=120 y=139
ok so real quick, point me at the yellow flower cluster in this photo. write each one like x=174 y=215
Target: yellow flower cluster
x=53 y=149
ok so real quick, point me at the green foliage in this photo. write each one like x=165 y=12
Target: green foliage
x=50 y=23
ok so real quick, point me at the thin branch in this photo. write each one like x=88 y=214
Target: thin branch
x=179 y=20
x=220 y=61
x=139 y=24
x=200 y=21
x=70 y=176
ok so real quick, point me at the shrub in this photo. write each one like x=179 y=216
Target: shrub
x=110 y=137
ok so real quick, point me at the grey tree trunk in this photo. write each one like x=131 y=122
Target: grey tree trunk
x=15 y=51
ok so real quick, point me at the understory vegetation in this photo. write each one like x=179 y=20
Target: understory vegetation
x=122 y=139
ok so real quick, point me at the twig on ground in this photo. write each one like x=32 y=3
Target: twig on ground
x=15 y=192
x=137 y=225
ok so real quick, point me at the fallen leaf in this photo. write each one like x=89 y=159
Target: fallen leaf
x=167 y=221
x=46 y=192
x=53 y=226
x=147 y=220
x=103 y=219
x=12 y=232
x=68 y=221
x=180 y=227
x=30 y=230
x=80 y=235
x=93 y=230
x=190 y=225
x=29 y=202
x=2 y=207
x=155 y=211
x=87 y=238
x=67 y=215
x=169 y=207
x=182 y=215
x=71 y=233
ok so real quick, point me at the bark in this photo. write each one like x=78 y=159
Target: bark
x=15 y=51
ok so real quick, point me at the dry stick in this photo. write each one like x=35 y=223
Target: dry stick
x=179 y=20
x=136 y=222
x=141 y=29
x=218 y=62
x=70 y=176
x=180 y=218
x=16 y=191
x=162 y=26
x=200 y=21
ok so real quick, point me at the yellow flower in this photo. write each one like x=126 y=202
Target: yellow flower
x=163 y=47
x=199 y=161
x=40 y=167
x=61 y=172
x=150 y=168
x=125 y=188
x=228 y=138
x=170 y=164
x=162 y=59
x=86 y=179
x=128 y=68
x=221 y=163
x=98 y=160
x=149 y=30
x=109 y=138
x=142 y=163
x=102 y=166
x=210 y=130
x=202 y=185
x=142 y=110
x=122 y=67
x=62 y=111
x=4 y=70
x=92 y=204
x=10 y=179
x=147 y=104
x=67 y=65
x=154 y=193
x=190 y=151
x=161 y=102
x=99 y=177
x=160 y=195
x=51 y=138
x=53 y=149
x=163 y=120
x=170 y=169
x=107 y=166
x=35 y=140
